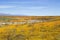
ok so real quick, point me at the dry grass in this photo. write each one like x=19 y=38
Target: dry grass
x=48 y=29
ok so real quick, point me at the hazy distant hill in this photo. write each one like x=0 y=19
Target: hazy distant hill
x=4 y=14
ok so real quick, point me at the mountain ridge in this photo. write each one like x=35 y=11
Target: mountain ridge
x=4 y=14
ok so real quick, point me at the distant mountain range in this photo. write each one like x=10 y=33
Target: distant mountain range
x=4 y=14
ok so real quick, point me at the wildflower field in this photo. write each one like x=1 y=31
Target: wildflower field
x=29 y=27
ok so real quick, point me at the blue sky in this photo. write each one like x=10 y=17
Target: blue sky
x=30 y=7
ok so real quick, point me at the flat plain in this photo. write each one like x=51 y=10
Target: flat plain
x=29 y=27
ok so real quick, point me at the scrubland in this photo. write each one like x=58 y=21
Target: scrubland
x=33 y=28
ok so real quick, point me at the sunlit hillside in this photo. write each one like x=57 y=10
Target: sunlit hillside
x=29 y=27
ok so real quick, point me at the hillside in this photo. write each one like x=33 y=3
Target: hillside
x=29 y=27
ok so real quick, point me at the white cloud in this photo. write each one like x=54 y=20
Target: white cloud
x=6 y=6
x=37 y=7
x=32 y=8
